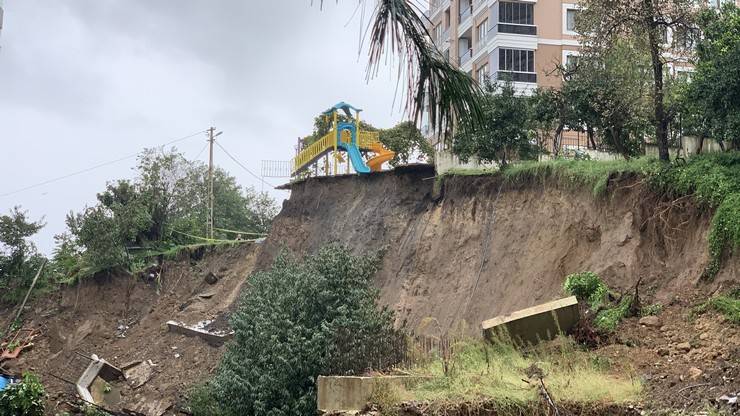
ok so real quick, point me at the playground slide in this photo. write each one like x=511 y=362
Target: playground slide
x=383 y=155
x=356 y=157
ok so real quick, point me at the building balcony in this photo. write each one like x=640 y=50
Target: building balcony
x=466 y=56
x=528 y=77
x=466 y=14
x=438 y=6
x=514 y=28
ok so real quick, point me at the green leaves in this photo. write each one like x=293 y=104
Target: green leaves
x=297 y=321
x=406 y=141
x=501 y=135
x=25 y=398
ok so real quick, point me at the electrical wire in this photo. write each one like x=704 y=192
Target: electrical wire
x=244 y=167
x=100 y=165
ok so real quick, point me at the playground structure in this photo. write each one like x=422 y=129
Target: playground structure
x=344 y=137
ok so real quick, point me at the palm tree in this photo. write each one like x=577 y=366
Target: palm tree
x=433 y=84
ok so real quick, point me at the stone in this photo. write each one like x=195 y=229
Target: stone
x=663 y=328
x=704 y=336
x=695 y=373
x=651 y=321
x=662 y=351
x=684 y=347
x=211 y=278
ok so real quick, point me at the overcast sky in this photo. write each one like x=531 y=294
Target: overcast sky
x=83 y=82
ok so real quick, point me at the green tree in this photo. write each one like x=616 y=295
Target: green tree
x=609 y=93
x=712 y=97
x=19 y=259
x=296 y=322
x=406 y=141
x=501 y=135
x=165 y=205
x=644 y=23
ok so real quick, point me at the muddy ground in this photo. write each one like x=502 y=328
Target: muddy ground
x=122 y=319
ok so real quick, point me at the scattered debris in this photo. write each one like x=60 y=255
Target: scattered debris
x=17 y=344
x=200 y=329
x=730 y=399
x=651 y=321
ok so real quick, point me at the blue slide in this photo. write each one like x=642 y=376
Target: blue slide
x=355 y=156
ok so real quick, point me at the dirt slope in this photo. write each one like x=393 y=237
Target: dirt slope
x=87 y=320
x=480 y=248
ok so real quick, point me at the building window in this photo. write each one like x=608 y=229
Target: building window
x=570 y=19
x=482 y=74
x=517 y=64
x=683 y=39
x=438 y=30
x=483 y=32
x=571 y=61
x=516 y=13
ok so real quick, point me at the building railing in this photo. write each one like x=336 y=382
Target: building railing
x=514 y=28
x=314 y=150
x=529 y=77
x=465 y=57
x=465 y=14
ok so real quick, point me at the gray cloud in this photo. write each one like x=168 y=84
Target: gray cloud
x=86 y=81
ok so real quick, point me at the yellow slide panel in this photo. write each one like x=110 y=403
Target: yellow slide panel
x=383 y=155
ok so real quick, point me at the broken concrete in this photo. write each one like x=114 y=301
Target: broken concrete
x=94 y=378
x=138 y=373
x=215 y=338
x=535 y=324
x=348 y=394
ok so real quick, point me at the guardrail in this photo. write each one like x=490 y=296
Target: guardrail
x=314 y=150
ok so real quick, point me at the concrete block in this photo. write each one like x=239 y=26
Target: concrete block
x=97 y=372
x=538 y=323
x=350 y=394
x=198 y=330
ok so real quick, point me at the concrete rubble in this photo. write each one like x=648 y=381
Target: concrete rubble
x=535 y=324
x=200 y=329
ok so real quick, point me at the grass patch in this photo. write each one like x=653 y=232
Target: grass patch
x=481 y=370
x=727 y=305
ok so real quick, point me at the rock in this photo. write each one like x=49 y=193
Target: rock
x=695 y=373
x=704 y=336
x=663 y=328
x=684 y=347
x=651 y=321
x=211 y=278
x=662 y=351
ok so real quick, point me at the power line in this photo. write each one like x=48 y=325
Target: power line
x=244 y=167
x=79 y=172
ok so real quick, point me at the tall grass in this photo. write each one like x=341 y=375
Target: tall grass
x=479 y=370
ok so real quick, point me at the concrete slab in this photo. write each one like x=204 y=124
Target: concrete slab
x=535 y=324
x=198 y=330
x=97 y=372
x=351 y=394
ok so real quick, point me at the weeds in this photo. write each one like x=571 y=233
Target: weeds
x=587 y=286
x=727 y=305
x=481 y=370
x=651 y=310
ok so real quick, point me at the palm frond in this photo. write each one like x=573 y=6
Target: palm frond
x=433 y=84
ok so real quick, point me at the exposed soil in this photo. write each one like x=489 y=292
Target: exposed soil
x=481 y=248
x=93 y=319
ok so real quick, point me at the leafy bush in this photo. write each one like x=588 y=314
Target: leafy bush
x=608 y=319
x=25 y=398
x=298 y=321
x=587 y=286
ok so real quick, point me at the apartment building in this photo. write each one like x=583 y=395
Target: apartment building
x=524 y=39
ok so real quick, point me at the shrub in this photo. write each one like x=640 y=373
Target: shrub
x=25 y=398
x=608 y=319
x=651 y=310
x=728 y=305
x=298 y=321
x=587 y=286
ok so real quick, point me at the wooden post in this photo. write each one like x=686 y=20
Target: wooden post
x=30 y=289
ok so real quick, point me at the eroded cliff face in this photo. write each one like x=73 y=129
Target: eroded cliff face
x=478 y=247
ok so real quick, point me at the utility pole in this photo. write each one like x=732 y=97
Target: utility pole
x=211 y=139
